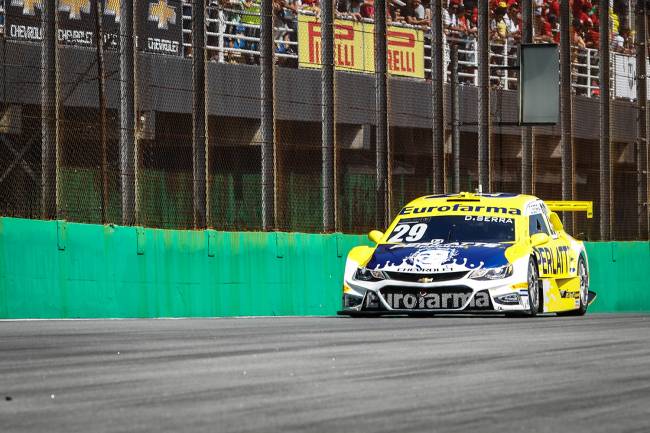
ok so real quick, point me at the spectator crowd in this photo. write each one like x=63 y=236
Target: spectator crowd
x=460 y=20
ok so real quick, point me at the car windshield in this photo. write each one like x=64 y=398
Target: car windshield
x=457 y=228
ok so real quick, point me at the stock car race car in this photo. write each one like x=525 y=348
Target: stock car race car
x=471 y=253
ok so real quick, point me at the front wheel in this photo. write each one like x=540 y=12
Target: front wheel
x=534 y=294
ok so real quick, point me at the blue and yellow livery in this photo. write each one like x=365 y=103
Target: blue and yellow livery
x=471 y=253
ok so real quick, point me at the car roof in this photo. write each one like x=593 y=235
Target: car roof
x=519 y=201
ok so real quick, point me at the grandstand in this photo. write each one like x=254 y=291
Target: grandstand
x=89 y=133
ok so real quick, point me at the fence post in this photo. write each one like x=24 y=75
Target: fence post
x=566 y=139
x=127 y=112
x=269 y=217
x=605 y=139
x=642 y=102
x=455 y=113
x=50 y=111
x=484 y=175
x=221 y=28
x=527 y=131
x=437 y=80
x=327 y=114
x=101 y=95
x=381 y=111
x=199 y=124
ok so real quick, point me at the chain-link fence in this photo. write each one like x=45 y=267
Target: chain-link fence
x=247 y=115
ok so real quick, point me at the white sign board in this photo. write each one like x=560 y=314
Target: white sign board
x=625 y=76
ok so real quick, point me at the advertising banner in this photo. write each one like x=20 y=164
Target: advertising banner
x=76 y=21
x=354 y=47
x=625 y=76
x=348 y=44
x=161 y=26
x=160 y=23
x=404 y=51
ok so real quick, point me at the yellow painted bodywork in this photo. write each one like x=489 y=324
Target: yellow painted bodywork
x=572 y=206
x=562 y=250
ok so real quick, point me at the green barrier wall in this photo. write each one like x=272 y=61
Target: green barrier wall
x=54 y=269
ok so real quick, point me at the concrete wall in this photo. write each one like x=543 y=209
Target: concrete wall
x=55 y=269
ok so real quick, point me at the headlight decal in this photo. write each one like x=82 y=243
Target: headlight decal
x=365 y=274
x=497 y=273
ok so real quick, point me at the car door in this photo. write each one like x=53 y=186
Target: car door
x=553 y=264
x=552 y=257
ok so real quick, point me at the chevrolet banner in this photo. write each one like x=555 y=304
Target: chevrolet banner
x=159 y=23
x=354 y=47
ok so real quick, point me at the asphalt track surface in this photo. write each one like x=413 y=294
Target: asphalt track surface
x=459 y=374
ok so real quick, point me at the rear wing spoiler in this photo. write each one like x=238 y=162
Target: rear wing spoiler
x=572 y=206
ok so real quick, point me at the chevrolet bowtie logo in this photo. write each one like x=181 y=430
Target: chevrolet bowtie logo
x=28 y=6
x=112 y=7
x=425 y=280
x=162 y=13
x=74 y=8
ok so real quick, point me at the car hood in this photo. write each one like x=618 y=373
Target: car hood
x=438 y=257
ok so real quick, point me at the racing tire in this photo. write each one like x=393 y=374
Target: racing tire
x=534 y=293
x=583 y=275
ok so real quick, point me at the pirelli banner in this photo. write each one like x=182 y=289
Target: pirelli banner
x=159 y=23
x=354 y=47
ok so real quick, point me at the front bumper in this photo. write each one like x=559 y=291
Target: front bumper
x=391 y=297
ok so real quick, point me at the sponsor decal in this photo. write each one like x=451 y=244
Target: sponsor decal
x=354 y=47
x=424 y=300
x=411 y=210
x=162 y=13
x=74 y=8
x=28 y=6
x=112 y=8
x=553 y=260
x=566 y=294
x=437 y=256
x=161 y=26
x=76 y=22
x=534 y=207
x=159 y=23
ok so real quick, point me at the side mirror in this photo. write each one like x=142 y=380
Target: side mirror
x=375 y=236
x=556 y=222
x=539 y=239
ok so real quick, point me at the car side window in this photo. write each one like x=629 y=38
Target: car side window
x=537 y=224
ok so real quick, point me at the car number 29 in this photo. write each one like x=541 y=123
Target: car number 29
x=408 y=233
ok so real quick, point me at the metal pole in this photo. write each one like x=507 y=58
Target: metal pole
x=327 y=114
x=484 y=96
x=527 y=131
x=127 y=112
x=269 y=219
x=199 y=124
x=647 y=127
x=49 y=114
x=101 y=92
x=566 y=140
x=605 y=139
x=381 y=104
x=437 y=80
x=455 y=113
x=642 y=102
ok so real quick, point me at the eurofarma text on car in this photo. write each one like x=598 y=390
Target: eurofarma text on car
x=471 y=253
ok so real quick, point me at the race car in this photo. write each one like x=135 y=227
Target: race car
x=471 y=253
